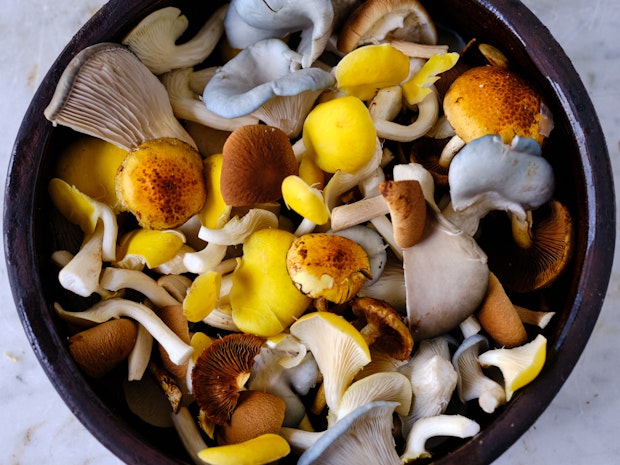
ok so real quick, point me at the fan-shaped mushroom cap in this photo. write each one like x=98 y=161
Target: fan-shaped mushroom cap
x=257 y=158
x=221 y=371
x=377 y=20
x=491 y=100
x=327 y=265
x=162 y=183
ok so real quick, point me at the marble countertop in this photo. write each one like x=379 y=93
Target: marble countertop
x=580 y=426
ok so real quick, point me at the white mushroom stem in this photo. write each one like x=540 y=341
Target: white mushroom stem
x=450 y=150
x=237 y=229
x=187 y=430
x=188 y=105
x=218 y=318
x=114 y=279
x=154 y=39
x=206 y=259
x=352 y=214
x=440 y=425
x=107 y=92
x=178 y=351
x=470 y=326
x=299 y=439
x=532 y=317
x=414 y=50
x=175 y=285
x=81 y=274
x=139 y=357
x=428 y=112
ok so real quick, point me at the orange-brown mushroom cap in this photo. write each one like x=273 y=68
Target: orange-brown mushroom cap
x=221 y=372
x=382 y=327
x=162 y=183
x=492 y=100
x=257 y=158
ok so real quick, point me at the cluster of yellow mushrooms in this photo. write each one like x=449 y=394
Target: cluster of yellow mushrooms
x=283 y=223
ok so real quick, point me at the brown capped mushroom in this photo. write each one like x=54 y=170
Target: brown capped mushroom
x=407 y=206
x=492 y=100
x=327 y=265
x=162 y=183
x=256 y=413
x=257 y=158
x=498 y=316
x=98 y=350
x=221 y=372
x=176 y=321
x=378 y=20
x=382 y=327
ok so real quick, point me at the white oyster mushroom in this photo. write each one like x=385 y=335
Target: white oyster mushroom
x=249 y=21
x=154 y=39
x=234 y=92
x=488 y=175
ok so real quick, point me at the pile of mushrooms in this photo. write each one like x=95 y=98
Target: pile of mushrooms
x=272 y=260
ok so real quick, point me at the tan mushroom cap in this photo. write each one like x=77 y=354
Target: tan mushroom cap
x=359 y=28
x=491 y=100
x=162 y=183
x=256 y=413
x=407 y=206
x=98 y=350
x=173 y=317
x=499 y=318
x=327 y=265
x=382 y=327
x=257 y=158
x=221 y=372
x=540 y=265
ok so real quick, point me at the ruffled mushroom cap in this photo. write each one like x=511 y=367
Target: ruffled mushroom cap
x=257 y=158
x=382 y=327
x=234 y=92
x=149 y=247
x=221 y=372
x=162 y=183
x=107 y=92
x=249 y=21
x=327 y=265
x=491 y=100
x=377 y=20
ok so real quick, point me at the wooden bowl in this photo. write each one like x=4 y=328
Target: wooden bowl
x=576 y=149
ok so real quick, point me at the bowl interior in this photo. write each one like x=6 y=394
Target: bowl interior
x=576 y=149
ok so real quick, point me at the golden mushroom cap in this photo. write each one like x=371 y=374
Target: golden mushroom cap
x=492 y=100
x=162 y=183
x=327 y=265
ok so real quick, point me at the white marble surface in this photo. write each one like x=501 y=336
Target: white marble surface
x=580 y=426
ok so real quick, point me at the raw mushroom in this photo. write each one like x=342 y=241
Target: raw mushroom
x=338 y=348
x=373 y=245
x=100 y=349
x=327 y=265
x=433 y=380
x=148 y=247
x=363 y=436
x=154 y=39
x=249 y=21
x=233 y=92
x=262 y=450
x=488 y=175
x=375 y=21
x=407 y=206
x=491 y=100
x=440 y=425
x=472 y=382
x=305 y=200
x=382 y=327
x=187 y=105
x=257 y=159
x=107 y=92
x=221 y=371
x=288 y=113
x=115 y=279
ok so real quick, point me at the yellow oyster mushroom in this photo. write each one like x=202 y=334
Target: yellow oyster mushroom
x=215 y=212
x=519 y=365
x=310 y=172
x=305 y=200
x=263 y=298
x=148 y=247
x=199 y=341
x=419 y=86
x=339 y=135
x=90 y=164
x=202 y=296
x=263 y=449
x=367 y=69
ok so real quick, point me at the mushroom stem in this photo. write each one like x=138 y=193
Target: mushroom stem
x=532 y=317
x=189 y=433
x=178 y=351
x=139 y=357
x=299 y=439
x=114 y=279
x=428 y=111
x=348 y=215
x=167 y=384
x=415 y=50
